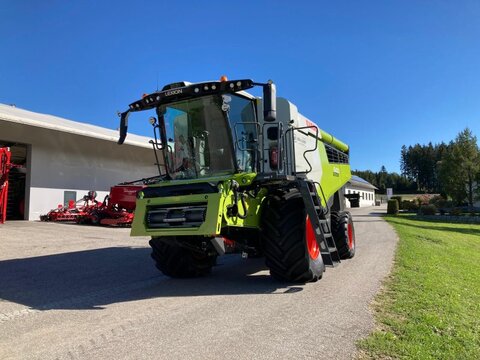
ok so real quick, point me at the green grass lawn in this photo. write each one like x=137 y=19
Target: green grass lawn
x=430 y=306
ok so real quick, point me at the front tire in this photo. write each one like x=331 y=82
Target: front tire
x=290 y=251
x=178 y=262
x=343 y=234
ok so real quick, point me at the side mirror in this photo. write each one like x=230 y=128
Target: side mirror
x=269 y=101
x=123 y=126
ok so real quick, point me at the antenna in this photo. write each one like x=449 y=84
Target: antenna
x=157 y=81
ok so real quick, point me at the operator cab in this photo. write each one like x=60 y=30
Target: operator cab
x=205 y=129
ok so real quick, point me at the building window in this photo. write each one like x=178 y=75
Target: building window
x=69 y=196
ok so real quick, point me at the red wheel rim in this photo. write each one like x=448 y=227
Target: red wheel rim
x=312 y=246
x=351 y=242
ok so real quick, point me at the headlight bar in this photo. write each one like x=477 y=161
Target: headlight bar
x=157 y=98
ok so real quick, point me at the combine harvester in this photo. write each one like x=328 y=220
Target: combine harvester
x=241 y=174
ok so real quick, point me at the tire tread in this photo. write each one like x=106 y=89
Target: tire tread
x=283 y=228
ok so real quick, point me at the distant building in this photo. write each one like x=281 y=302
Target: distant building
x=366 y=191
x=64 y=159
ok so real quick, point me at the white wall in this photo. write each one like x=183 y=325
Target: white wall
x=60 y=161
x=367 y=196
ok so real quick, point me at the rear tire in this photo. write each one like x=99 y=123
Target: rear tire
x=288 y=253
x=343 y=234
x=96 y=217
x=178 y=262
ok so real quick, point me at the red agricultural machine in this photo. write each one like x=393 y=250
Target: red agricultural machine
x=4 y=170
x=115 y=210
x=70 y=212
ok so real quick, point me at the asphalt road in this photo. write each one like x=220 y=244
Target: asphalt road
x=79 y=292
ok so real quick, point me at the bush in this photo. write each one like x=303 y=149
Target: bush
x=392 y=207
x=423 y=199
x=456 y=212
x=427 y=209
x=409 y=205
x=404 y=205
x=449 y=204
x=399 y=199
x=438 y=201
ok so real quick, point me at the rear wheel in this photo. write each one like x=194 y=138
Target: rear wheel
x=291 y=250
x=179 y=262
x=343 y=234
x=96 y=217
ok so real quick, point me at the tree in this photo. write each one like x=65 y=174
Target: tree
x=404 y=161
x=384 y=179
x=419 y=163
x=460 y=167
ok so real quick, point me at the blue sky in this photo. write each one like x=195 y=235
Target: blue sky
x=376 y=74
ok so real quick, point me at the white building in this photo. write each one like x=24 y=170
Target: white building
x=65 y=159
x=363 y=188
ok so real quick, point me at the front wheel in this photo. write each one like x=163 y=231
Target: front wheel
x=343 y=234
x=178 y=262
x=291 y=250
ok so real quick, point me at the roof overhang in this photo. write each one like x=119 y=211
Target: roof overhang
x=54 y=123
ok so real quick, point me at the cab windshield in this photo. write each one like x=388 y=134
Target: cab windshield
x=202 y=136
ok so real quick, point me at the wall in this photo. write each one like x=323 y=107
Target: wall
x=60 y=161
x=368 y=198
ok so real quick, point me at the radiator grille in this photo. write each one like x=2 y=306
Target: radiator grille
x=335 y=156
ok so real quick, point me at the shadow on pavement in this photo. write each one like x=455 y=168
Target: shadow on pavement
x=366 y=221
x=92 y=278
x=369 y=214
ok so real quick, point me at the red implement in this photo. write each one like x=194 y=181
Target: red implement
x=117 y=208
x=72 y=212
x=5 y=155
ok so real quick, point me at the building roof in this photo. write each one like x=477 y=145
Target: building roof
x=358 y=181
x=21 y=116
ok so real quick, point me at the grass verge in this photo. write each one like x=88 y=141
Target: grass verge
x=430 y=305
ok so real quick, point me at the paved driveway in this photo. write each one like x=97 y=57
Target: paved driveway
x=71 y=292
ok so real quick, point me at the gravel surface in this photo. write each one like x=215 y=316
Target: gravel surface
x=80 y=292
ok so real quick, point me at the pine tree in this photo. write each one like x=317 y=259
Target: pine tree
x=460 y=168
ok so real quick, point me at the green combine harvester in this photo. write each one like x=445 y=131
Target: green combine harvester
x=241 y=174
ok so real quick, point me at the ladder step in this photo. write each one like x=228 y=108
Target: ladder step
x=320 y=224
x=326 y=229
x=328 y=261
